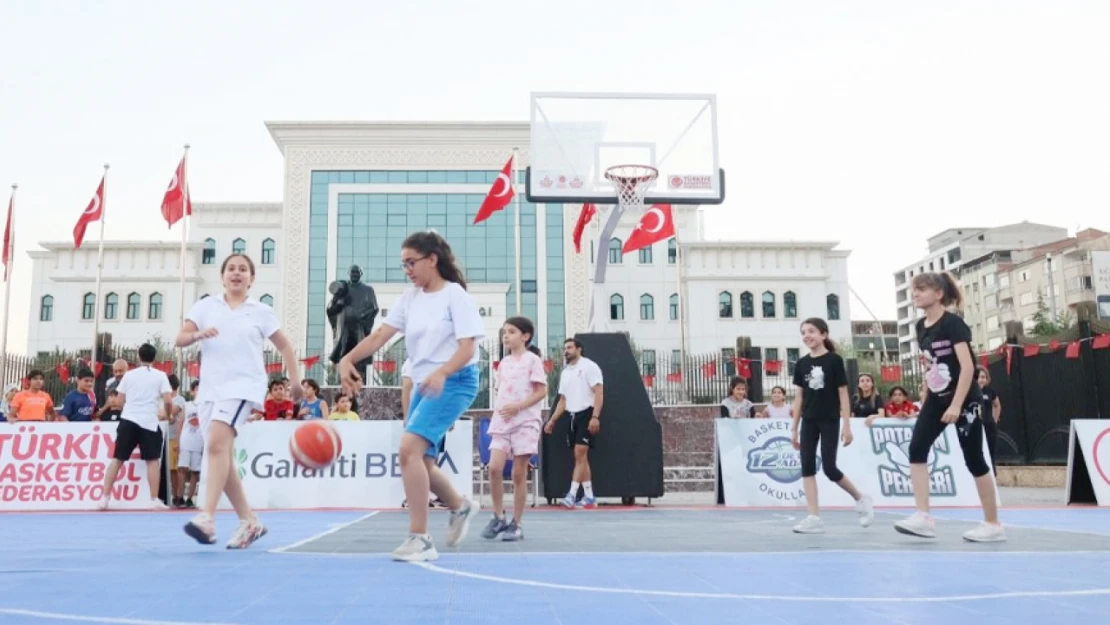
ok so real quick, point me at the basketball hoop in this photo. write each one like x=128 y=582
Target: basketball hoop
x=631 y=182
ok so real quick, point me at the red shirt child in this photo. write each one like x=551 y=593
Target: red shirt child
x=277 y=407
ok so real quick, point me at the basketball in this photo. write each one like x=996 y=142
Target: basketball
x=315 y=445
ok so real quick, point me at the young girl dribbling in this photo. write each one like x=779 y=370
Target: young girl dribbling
x=231 y=330
x=442 y=327
x=821 y=405
x=945 y=343
x=515 y=424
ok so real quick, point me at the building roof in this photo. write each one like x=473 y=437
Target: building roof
x=64 y=246
x=468 y=134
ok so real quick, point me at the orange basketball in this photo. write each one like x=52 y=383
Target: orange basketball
x=315 y=445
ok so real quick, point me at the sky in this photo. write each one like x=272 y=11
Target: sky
x=872 y=123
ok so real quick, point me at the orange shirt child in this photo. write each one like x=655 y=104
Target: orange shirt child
x=32 y=405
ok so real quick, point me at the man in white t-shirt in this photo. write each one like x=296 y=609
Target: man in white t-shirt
x=580 y=395
x=142 y=391
x=192 y=450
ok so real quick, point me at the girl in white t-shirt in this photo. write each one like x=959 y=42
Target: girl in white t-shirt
x=442 y=328
x=231 y=330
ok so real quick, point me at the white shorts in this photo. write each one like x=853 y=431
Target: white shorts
x=234 y=412
x=190 y=460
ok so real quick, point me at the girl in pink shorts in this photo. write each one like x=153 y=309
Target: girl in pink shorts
x=515 y=424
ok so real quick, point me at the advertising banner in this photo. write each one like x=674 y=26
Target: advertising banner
x=1094 y=442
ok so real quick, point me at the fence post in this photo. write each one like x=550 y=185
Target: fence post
x=1085 y=312
x=851 y=367
x=744 y=349
x=1015 y=338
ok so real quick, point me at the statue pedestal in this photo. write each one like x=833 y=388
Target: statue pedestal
x=378 y=403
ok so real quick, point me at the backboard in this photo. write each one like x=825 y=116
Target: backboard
x=575 y=137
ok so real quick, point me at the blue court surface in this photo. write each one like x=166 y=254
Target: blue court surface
x=643 y=566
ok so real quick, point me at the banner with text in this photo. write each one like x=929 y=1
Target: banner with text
x=761 y=468
x=1094 y=442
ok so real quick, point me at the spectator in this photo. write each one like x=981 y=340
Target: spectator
x=867 y=400
x=33 y=404
x=80 y=403
x=900 y=405
x=778 y=408
x=110 y=411
x=992 y=413
x=6 y=402
x=119 y=368
x=192 y=451
x=737 y=405
x=276 y=407
x=343 y=410
x=174 y=423
x=312 y=406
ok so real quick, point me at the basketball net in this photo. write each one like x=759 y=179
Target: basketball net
x=631 y=183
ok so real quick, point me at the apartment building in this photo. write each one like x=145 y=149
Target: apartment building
x=875 y=341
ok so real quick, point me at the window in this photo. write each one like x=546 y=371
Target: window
x=672 y=252
x=771 y=353
x=645 y=255
x=238 y=246
x=647 y=307
x=154 y=310
x=268 y=252
x=954 y=256
x=789 y=305
x=1025 y=299
x=88 y=307
x=267 y=300
x=728 y=355
x=992 y=322
x=724 y=304
x=832 y=304
x=791 y=359
x=208 y=256
x=616 y=307
x=111 y=306
x=1083 y=283
x=676 y=361
x=46 y=308
x=674 y=307
x=747 y=305
x=134 y=306
x=648 y=358
x=527 y=286
x=1004 y=280
x=768 y=305
x=615 y=245
x=1023 y=276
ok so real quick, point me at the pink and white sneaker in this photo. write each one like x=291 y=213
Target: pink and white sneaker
x=246 y=534
x=202 y=529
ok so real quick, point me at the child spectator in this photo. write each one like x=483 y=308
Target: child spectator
x=110 y=411
x=80 y=403
x=737 y=405
x=33 y=404
x=277 y=407
x=343 y=410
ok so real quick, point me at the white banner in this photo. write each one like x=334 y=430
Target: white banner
x=61 y=466
x=760 y=467
x=367 y=474
x=1094 y=442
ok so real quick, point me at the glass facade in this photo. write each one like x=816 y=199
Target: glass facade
x=371 y=226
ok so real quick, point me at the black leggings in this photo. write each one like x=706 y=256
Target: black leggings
x=827 y=433
x=990 y=430
x=969 y=430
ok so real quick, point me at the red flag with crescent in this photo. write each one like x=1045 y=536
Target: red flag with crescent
x=9 y=240
x=656 y=225
x=177 y=203
x=93 y=212
x=584 y=218
x=500 y=194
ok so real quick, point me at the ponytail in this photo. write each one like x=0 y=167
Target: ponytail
x=428 y=243
x=829 y=345
x=822 y=326
x=535 y=350
x=953 y=296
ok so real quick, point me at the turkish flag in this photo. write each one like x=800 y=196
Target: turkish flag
x=63 y=372
x=310 y=362
x=93 y=212
x=1101 y=341
x=983 y=360
x=9 y=239
x=1032 y=350
x=1072 y=351
x=500 y=194
x=588 y=212
x=656 y=225
x=674 y=377
x=772 y=367
x=709 y=369
x=743 y=367
x=274 y=367
x=649 y=380
x=193 y=369
x=177 y=203
x=385 y=366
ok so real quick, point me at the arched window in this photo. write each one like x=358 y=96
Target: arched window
x=154 y=310
x=111 y=306
x=208 y=256
x=724 y=305
x=789 y=305
x=616 y=307
x=832 y=304
x=674 y=307
x=747 y=305
x=672 y=252
x=238 y=246
x=88 y=306
x=647 y=307
x=615 y=255
x=46 y=308
x=267 y=300
x=134 y=306
x=268 y=252
x=645 y=255
x=768 y=305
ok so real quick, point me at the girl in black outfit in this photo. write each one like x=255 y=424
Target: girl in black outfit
x=992 y=413
x=821 y=405
x=953 y=397
x=867 y=400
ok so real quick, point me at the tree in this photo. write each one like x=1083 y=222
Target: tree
x=1043 y=323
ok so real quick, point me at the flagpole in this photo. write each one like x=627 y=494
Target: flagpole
x=516 y=230
x=184 y=184
x=8 y=266
x=678 y=259
x=99 y=271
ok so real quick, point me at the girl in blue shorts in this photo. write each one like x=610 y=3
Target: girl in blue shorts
x=442 y=328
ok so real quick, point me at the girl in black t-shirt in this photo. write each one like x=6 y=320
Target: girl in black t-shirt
x=867 y=400
x=992 y=411
x=953 y=397
x=821 y=405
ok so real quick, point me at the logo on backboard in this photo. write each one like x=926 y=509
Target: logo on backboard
x=576 y=183
x=546 y=182
x=681 y=181
x=893 y=442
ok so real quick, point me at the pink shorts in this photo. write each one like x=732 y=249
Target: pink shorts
x=519 y=441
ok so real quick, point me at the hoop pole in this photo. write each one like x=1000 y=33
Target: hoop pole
x=678 y=260
x=516 y=230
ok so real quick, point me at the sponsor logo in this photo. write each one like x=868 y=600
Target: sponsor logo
x=771 y=453
x=576 y=183
x=267 y=465
x=891 y=443
x=681 y=181
x=1101 y=453
x=546 y=182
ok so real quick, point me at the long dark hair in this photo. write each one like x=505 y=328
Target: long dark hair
x=859 y=388
x=942 y=281
x=428 y=243
x=525 y=325
x=823 y=328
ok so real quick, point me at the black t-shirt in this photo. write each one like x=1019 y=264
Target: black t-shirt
x=110 y=414
x=820 y=379
x=938 y=353
x=989 y=395
x=866 y=407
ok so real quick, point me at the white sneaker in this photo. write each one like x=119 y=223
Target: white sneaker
x=158 y=504
x=103 y=503
x=810 y=525
x=866 y=510
x=246 y=534
x=918 y=524
x=416 y=549
x=460 y=522
x=986 y=533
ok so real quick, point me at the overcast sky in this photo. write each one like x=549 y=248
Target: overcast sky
x=875 y=124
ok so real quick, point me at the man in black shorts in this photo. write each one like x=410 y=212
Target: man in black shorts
x=580 y=395
x=141 y=392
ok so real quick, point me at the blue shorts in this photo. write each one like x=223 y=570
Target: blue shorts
x=431 y=417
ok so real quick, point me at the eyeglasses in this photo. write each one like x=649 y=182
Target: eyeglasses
x=410 y=263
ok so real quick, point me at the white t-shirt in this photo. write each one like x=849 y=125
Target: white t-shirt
x=191 y=438
x=175 y=429
x=577 y=382
x=231 y=364
x=406 y=369
x=433 y=323
x=142 y=390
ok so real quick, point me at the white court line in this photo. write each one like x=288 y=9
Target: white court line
x=322 y=534
x=740 y=597
x=713 y=554
x=1005 y=524
x=110 y=620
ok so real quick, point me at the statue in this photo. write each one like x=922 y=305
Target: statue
x=351 y=314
